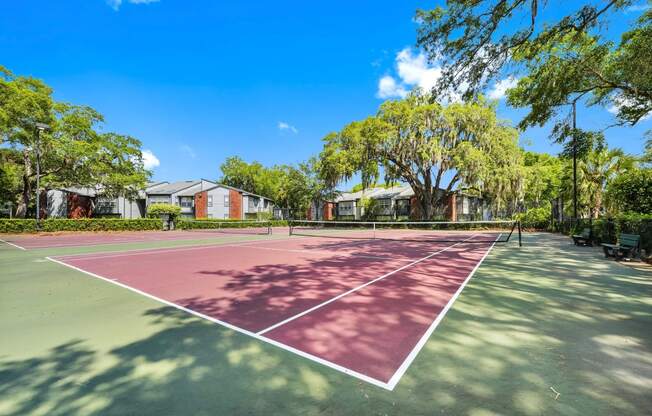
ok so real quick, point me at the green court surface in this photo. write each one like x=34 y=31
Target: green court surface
x=546 y=329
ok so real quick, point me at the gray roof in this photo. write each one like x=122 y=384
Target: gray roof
x=166 y=188
x=242 y=191
x=84 y=191
x=395 y=192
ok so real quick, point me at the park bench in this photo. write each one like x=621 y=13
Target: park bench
x=627 y=247
x=584 y=238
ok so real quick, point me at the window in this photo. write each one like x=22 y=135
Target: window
x=210 y=200
x=185 y=202
x=210 y=215
x=345 y=208
x=384 y=206
x=226 y=200
x=252 y=204
x=106 y=206
x=402 y=207
x=465 y=205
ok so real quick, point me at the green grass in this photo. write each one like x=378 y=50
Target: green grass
x=543 y=317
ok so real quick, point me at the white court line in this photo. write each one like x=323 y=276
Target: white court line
x=127 y=241
x=355 y=289
x=393 y=381
x=12 y=244
x=145 y=251
x=364 y=256
x=137 y=251
x=277 y=344
x=390 y=385
x=207 y=244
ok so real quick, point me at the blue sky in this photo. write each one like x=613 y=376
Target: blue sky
x=198 y=81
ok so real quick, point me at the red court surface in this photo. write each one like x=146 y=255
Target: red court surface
x=80 y=239
x=363 y=307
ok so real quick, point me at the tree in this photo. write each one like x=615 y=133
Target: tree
x=561 y=62
x=434 y=148
x=631 y=192
x=10 y=176
x=72 y=151
x=542 y=179
x=595 y=171
x=289 y=186
x=240 y=174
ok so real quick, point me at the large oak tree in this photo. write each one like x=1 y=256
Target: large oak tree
x=434 y=148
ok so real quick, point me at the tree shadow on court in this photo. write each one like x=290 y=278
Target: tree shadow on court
x=530 y=325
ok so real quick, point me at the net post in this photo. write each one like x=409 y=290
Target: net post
x=518 y=224
x=374 y=233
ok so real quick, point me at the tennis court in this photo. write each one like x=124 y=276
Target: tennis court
x=362 y=306
x=323 y=319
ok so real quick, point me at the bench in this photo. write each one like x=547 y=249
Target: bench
x=627 y=247
x=583 y=239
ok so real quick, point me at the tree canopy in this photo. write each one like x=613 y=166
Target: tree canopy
x=291 y=187
x=432 y=147
x=556 y=62
x=72 y=150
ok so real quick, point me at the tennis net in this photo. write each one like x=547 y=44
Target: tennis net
x=419 y=231
x=227 y=226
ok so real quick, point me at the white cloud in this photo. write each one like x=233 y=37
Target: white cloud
x=188 y=151
x=638 y=8
x=388 y=88
x=150 y=161
x=413 y=71
x=115 y=4
x=500 y=88
x=282 y=125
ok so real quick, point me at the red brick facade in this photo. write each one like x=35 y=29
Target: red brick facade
x=79 y=206
x=329 y=208
x=235 y=205
x=201 y=204
x=451 y=208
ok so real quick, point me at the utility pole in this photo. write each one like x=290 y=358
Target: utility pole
x=574 y=163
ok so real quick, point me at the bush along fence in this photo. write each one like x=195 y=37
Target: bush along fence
x=198 y=224
x=20 y=225
x=606 y=230
x=13 y=226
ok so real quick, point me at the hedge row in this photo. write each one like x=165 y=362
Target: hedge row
x=214 y=223
x=606 y=230
x=13 y=226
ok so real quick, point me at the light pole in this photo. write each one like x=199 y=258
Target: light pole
x=574 y=164
x=40 y=127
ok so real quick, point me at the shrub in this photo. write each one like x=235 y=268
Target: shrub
x=536 y=218
x=17 y=225
x=207 y=223
x=82 y=224
x=631 y=192
x=158 y=209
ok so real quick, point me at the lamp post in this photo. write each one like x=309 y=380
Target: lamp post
x=40 y=127
x=574 y=164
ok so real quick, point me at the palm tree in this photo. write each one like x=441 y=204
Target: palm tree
x=595 y=171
